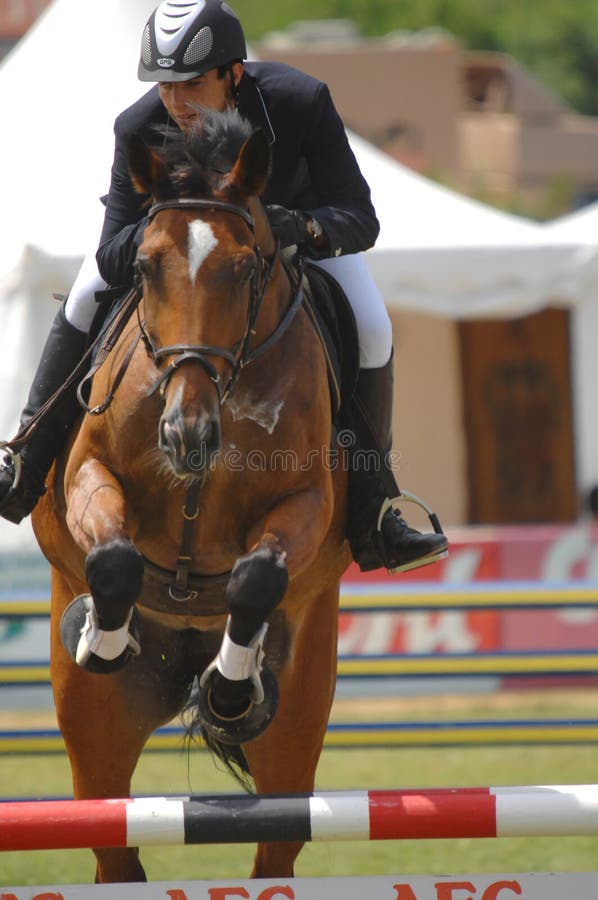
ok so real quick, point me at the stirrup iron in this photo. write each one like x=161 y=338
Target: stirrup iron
x=410 y=498
x=15 y=459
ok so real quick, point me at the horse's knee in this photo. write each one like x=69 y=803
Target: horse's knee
x=257 y=584
x=114 y=573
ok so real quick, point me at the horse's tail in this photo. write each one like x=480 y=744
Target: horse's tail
x=230 y=755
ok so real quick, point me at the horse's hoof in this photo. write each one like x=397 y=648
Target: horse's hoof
x=246 y=726
x=72 y=625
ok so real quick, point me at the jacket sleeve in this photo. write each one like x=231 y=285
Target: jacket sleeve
x=344 y=207
x=124 y=220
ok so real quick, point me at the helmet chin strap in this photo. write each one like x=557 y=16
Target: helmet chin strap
x=234 y=88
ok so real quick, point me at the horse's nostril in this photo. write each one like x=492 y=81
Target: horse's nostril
x=190 y=446
x=166 y=433
x=208 y=437
x=209 y=433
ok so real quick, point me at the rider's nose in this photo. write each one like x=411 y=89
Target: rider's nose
x=179 y=99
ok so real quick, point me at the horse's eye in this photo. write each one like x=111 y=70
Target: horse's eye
x=244 y=268
x=145 y=266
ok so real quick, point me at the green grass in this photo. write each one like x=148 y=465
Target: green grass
x=339 y=769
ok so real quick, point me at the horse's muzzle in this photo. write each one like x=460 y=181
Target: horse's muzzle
x=191 y=447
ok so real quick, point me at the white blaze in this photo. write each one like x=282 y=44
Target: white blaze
x=201 y=244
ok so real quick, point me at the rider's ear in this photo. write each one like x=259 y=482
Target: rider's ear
x=148 y=171
x=251 y=171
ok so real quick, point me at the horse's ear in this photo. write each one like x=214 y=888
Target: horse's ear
x=252 y=169
x=148 y=171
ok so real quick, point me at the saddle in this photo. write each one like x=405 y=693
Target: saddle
x=334 y=322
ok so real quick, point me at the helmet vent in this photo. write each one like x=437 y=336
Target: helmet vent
x=146 y=47
x=199 y=47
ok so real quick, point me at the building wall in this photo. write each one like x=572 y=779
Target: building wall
x=404 y=99
x=478 y=120
x=428 y=416
x=488 y=151
x=507 y=154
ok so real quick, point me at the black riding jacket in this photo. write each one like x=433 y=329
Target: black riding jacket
x=313 y=166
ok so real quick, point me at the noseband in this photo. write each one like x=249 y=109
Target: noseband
x=241 y=354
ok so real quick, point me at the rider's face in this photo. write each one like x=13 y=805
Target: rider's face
x=182 y=97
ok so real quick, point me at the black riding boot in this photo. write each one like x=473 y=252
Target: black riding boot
x=394 y=544
x=62 y=352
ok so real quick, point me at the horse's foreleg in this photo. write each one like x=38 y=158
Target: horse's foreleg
x=98 y=629
x=102 y=734
x=282 y=545
x=239 y=698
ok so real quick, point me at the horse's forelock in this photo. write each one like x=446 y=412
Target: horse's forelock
x=200 y=158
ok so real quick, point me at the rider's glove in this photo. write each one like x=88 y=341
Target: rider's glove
x=288 y=225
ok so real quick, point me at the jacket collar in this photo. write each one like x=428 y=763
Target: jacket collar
x=253 y=106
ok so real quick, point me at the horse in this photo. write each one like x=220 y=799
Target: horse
x=169 y=515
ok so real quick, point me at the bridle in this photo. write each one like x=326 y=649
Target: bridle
x=238 y=357
x=242 y=353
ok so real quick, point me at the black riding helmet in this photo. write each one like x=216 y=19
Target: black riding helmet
x=185 y=38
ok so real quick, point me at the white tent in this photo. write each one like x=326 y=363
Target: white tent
x=582 y=226
x=61 y=89
x=444 y=253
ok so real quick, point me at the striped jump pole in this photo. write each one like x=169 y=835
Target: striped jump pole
x=557 y=810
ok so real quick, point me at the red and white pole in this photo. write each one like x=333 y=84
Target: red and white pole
x=560 y=810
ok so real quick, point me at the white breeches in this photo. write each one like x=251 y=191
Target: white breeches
x=374 y=328
x=81 y=305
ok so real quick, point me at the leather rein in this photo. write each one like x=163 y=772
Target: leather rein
x=242 y=353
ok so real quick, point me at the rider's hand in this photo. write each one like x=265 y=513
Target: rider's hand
x=288 y=225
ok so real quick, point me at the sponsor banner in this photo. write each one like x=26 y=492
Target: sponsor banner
x=519 y=553
x=553 y=553
x=543 y=554
x=435 y=632
x=537 y=886
x=451 y=631
x=548 y=554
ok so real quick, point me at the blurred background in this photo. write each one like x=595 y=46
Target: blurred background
x=476 y=125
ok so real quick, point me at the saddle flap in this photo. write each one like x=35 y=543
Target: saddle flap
x=338 y=330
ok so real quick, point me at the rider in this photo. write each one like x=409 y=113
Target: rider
x=316 y=198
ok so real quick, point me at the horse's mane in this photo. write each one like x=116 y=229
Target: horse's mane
x=200 y=157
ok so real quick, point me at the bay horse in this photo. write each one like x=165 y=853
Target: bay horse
x=168 y=516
